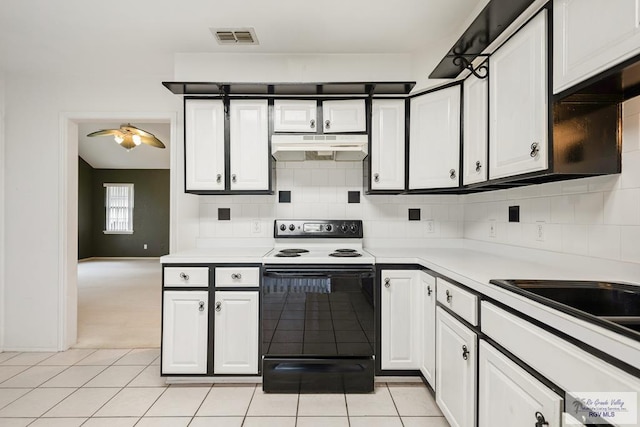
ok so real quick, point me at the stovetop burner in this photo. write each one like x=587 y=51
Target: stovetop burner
x=345 y=250
x=287 y=254
x=294 y=251
x=343 y=254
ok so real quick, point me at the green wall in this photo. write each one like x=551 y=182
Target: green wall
x=150 y=213
x=85 y=209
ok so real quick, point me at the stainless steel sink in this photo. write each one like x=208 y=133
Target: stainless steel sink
x=615 y=305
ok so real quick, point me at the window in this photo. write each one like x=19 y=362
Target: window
x=119 y=208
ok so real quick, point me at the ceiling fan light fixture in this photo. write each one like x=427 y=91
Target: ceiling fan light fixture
x=129 y=136
x=118 y=139
x=137 y=140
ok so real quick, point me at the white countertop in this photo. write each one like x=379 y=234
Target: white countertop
x=247 y=255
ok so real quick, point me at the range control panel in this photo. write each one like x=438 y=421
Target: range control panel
x=320 y=228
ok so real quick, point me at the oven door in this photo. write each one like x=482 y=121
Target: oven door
x=318 y=328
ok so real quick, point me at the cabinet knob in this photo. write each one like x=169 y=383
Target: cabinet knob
x=312 y=124
x=429 y=291
x=465 y=352
x=387 y=282
x=327 y=124
x=219 y=178
x=218 y=306
x=452 y=174
x=478 y=166
x=535 y=149
x=540 y=421
x=449 y=296
x=201 y=306
x=233 y=178
x=184 y=276
x=376 y=177
x=236 y=276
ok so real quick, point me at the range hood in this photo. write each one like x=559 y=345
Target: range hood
x=338 y=147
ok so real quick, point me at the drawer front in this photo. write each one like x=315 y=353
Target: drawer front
x=237 y=277
x=186 y=277
x=461 y=302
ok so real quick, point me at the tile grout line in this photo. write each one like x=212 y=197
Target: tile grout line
x=394 y=404
x=246 y=413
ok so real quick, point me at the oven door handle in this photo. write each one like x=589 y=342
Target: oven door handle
x=316 y=273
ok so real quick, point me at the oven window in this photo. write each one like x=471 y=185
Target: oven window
x=321 y=315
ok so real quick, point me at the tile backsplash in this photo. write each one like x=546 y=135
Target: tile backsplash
x=320 y=189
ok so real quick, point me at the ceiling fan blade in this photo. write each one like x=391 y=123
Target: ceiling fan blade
x=134 y=130
x=106 y=132
x=152 y=141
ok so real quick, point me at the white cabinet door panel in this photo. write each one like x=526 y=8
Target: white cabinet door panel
x=295 y=115
x=476 y=128
x=344 y=116
x=518 y=102
x=249 y=148
x=428 y=332
x=236 y=332
x=185 y=322
x=434 y=140
x=204 y=144
x=387 y=144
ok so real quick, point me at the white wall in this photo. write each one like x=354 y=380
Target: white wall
x=597 y=217
x=2 y=234
x=34 y=104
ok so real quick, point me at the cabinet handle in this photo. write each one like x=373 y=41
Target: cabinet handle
x=233 y=178
x=184 y=276
x=236 y=276
x=428 y=290
x=387 y=282
x=449 y=296
x=312 y=124
x=219 y=178
x=201 y=306
x=452 y=174
x=465 y=352
x=478 y=166
x=540 y=421
x=218 y=306
x=535 y=149
x=376 y=177
x=327 y=124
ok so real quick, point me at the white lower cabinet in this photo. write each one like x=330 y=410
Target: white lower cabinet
x=185 y=330
x=427 y=285
x=236 y=332
x=400 y=340
x=456 y=370
x=510 y=396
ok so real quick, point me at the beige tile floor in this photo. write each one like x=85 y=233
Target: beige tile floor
x=123 y=388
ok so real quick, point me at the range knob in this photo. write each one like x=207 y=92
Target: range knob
x=292 y=227
x=353 y=228
x=283 y=227
x=344 y=228
x=328 y=227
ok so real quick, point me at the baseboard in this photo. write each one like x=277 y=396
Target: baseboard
x=117 y=258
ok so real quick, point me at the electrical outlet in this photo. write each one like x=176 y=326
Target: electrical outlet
x=144 y=246
x=430 y=226
x=492 y=229
x=256 y=226
x=540 y=231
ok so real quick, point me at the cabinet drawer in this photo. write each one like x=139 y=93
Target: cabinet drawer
x=237 y=277
x=186 y=276
x=461 y=302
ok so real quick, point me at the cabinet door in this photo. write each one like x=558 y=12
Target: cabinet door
x=249 y=149
x=387 y=144
x=510 y=396
x=293 y=115
x=236 y=332
x=475 y=130
x=185 y=322
x=399 y=317
x=590 y=36
x=434 y=140
x=428 y=333
x=204 y=144
x=456 y=374
x=344 y=116
x=518 y=102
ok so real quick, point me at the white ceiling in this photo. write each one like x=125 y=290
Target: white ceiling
x=102 y=152
x=55 y=36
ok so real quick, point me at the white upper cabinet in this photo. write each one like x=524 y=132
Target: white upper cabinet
x=204 y=144
x=344 y=116
x=249 y=148
x=590 y=36
x=295 y=115
x=518 y=102
x=387 y=144
x=434 y=139
x=475 y=133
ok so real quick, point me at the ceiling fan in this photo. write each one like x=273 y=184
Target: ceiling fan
x=129 y=136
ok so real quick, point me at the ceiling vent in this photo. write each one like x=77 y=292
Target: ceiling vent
x=237 y=36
